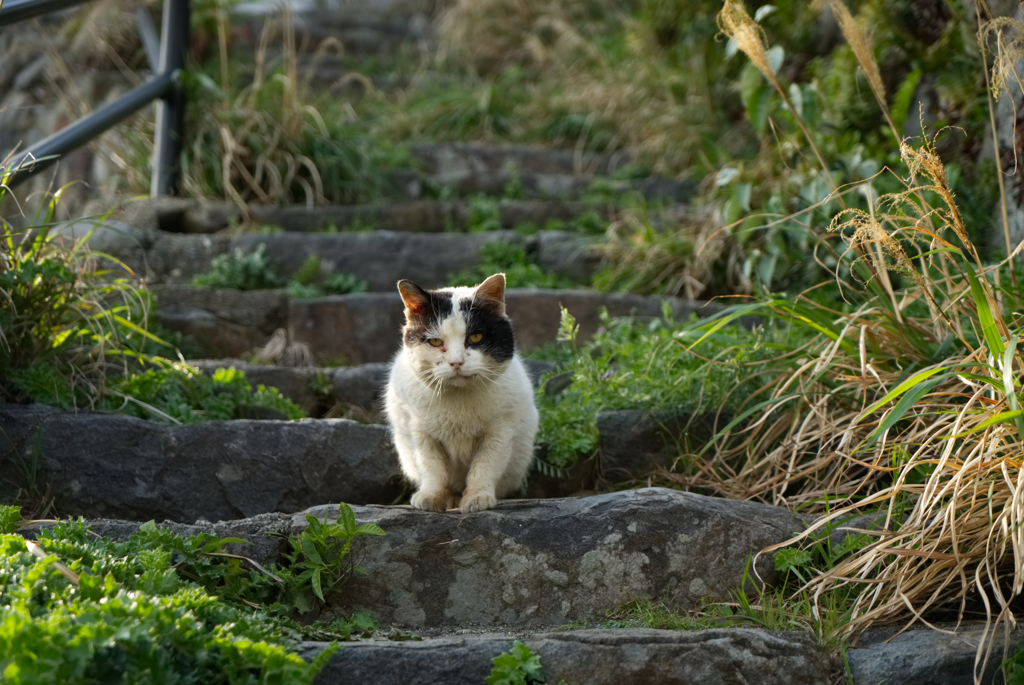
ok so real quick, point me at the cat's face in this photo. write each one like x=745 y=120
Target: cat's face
x=457 y=336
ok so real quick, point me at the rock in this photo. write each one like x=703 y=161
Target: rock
x=919 y=656
x=102 y=465
x=442 y=159
x=360 y=386
x=260 y=311
x=102 y=235
x=595 y=657
x=362 y=328
x=175 y=258
x=536 y=563
x=206 y=334
x=569 y=255
x=425 y=216
x=348 y=330
x=381 y=258
x=634 y=443
x=536 y=313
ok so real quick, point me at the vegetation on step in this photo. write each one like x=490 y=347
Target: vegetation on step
x=180 y=393
x=257 y=271
x=62 y=319
x=74 y=336
x=266 y=134
x=156 y=607
x=518 y=666
x=649 y=365
x=520 y=269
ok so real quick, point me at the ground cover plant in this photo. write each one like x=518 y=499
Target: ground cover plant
x=648 y=365
x=179 y=393
x=256 y=271
x=157 y=607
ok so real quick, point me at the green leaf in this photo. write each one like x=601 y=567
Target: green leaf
x=906 y=402
x=902 y=388
x=369 y=529
x=347 y=519
x=988 y=323
x=310 y=550
x=1001 y=417
x=316 y=585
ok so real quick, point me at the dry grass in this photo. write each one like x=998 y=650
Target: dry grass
x=916 y=415
x=688 y=256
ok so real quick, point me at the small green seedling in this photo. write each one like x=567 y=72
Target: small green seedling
x=320 y=558
x=518 y=666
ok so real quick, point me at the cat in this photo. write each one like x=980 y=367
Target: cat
x=458 y=399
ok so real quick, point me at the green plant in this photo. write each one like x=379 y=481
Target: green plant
x=255 y=271
x=520 y=270
x=648 y=365
x=518 y=666
x=320 y=560
x=81 y=609
x=180 y=393
x=241 y=271
x=9 y=519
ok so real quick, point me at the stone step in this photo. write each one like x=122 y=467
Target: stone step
x=918 y=656
x=359 y=387
x=594 y=657
x=119 y=466
x=364 y=328
x=533 y=564
x=441 y=159
x=381 y=258
x=418 y=216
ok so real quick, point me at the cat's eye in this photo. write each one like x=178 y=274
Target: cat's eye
x=476 y=337
x=435 y=342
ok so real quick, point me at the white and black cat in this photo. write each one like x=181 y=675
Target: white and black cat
x=458 y=398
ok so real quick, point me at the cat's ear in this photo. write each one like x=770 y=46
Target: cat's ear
x=492 y=293
x=416 y=299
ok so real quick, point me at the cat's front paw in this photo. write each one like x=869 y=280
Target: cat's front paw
x=431 y=501
x=477 y=501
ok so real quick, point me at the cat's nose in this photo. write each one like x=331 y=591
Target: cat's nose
x=455 y=365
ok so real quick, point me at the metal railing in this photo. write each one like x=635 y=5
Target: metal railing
x=163 y=86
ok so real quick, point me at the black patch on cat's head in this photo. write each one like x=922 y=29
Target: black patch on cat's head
x=423 y=310
x=499 y=341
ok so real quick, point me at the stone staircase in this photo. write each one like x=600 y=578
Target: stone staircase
x=545 y=570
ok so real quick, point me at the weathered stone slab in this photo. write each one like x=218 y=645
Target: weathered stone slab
x=454 y=158
x=102 y=465
x=362 y=328
x=923 y=656
x=535 y=563
x=595 y=657
x=634 y=442
x=221 y=322
x=358 y=386
x=381 y=258
x=551 y=562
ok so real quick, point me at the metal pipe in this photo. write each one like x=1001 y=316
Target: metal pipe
x=47 y=151
x=13 y=11
x=147 y=32
x=170 y=110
